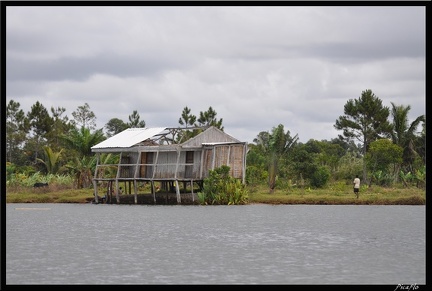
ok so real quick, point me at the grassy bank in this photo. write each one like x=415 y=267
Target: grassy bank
x=331 y=195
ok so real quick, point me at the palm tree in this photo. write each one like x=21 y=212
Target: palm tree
x=82 y=140
x=82 y=168
x=404 y=134
x=83 y=162
x=51 y=160
x=275 y=146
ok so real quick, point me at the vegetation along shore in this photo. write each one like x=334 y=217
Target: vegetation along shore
x=53 y=159
x=336 y=194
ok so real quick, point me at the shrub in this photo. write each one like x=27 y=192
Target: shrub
x=221 y=189
x=320 y=177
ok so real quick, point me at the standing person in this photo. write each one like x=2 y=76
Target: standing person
x=356 y=186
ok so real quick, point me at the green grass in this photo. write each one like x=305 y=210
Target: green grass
x=48 y=195
x=331 y=195
x=340 y=195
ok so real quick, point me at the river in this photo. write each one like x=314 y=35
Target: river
x=248 y=244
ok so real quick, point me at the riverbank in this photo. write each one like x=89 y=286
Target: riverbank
x=331 y=195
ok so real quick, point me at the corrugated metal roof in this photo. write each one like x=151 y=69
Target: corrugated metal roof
x=129 y=137
x=222 y=143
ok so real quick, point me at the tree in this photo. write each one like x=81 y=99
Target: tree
x=365 y=120
x=383 y=153
x=115 y=126
x=420 y=144
x=82 y=140
x=40 y=124
x=84 y=117
x=82 y=168
x=275 y=146
x=60 y=125
x=134 y=120
x=15 y=131
x=51 y=160
x=347 y=146
x=404 y=134
x=320 y=177
x=302 y=162
x=325 y=154
x=208 y=118
x=256 y=170
x=186 y=120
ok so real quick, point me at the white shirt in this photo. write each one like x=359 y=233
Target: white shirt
x=356 y=183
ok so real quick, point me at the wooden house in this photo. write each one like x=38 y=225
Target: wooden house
x=150 y=155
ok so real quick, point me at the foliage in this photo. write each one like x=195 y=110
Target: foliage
x=383 y=153
x=60 y=125
x=15 y=131
x=420 y=146
x=51 y=160
x=81 y=140
x=320 y=177
x=39 y=124
x=15 y=180
x=39 y=120
x=208 y=118
x=349 y=166
x=55 y=193
x=111 y=160
x=381 y=178
x=84 y=117
x=404 y=134
x=255 y=175
x=134 y=120
x=274 y=146
x=19 y=189
x=83 y=168
x=302 y=162
x=420 y=177
x=28 y=136
x=186 y=120
x=256 y=170
x=115 y=126
x=222 y=189
x=365 y=119
x=340 y=193
x=192 y=126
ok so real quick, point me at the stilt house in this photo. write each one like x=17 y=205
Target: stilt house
x=149 y=155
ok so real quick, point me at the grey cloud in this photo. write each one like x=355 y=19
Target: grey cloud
x=365 y=51
x=256 y=66
x=80 y=69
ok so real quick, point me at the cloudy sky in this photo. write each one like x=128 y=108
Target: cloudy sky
x=256 y=66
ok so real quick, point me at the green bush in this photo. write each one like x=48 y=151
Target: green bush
x=15 y=180
x=320 y=177
x=221 y=189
